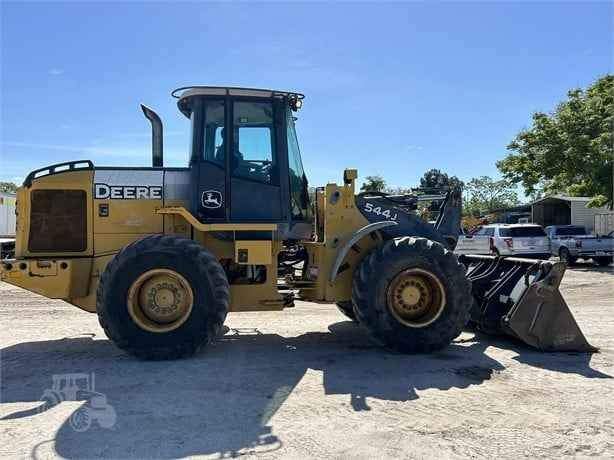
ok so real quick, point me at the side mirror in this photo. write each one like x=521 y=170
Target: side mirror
x=156 y=136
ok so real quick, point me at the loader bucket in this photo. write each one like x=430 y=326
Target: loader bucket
x=521 y=298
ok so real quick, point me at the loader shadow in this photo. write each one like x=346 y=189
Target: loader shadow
x=222 y=400
x=565 y=362
x=590 y=267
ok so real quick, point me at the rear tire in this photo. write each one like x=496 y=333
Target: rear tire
x=347 y=309
x=566 y=257
x=443 y=282
x=144 y=337
x=603 y=261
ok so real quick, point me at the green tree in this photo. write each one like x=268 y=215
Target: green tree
x=434 y=178
x=570 y=150
x=486 y=194
x=8 y=187
x=373 y=184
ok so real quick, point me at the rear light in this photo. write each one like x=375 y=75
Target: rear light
x=509 y=242
x=578 y=243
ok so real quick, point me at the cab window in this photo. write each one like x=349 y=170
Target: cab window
x=299 y=195
x=252 y=155
x=215 y=151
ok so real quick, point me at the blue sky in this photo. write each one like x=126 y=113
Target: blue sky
x=391 y=88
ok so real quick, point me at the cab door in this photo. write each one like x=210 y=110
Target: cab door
x=209 y=159
x=255 y=162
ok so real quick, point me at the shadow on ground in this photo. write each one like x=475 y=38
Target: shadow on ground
x=590 y=267
x=221 y=401
x=568 y=362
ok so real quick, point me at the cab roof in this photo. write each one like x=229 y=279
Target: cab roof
x=184 y=93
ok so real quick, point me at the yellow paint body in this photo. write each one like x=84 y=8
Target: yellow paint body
x=74 y=276
x=337 y=221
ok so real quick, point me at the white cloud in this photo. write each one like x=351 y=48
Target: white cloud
x=55 y=72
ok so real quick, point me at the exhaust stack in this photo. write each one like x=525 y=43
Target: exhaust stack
x=156 y=136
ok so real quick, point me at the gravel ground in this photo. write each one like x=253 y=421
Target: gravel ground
x=306 y=383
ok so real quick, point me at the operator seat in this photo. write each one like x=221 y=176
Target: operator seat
x=220 y=154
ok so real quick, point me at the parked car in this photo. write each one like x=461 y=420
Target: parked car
x=573 y=242
x=520 y=240
x=7 y=248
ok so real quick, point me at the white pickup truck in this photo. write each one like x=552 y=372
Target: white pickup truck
x=573 y=242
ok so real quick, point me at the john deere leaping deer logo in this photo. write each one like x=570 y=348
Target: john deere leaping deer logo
x=211 y=199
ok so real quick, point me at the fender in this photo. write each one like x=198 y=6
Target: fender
x=343 y=251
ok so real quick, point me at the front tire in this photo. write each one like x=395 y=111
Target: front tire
x=412 y=295
x=162 y=297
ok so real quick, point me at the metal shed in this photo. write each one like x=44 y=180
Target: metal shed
x=564 y=210
x=604 y=223
x=7 y=214
x=513 y=214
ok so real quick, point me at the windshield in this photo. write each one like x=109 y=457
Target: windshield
x=299 y=196
x=519 y=232
x=568 y=231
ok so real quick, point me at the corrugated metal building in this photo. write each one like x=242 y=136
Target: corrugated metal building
x=604 y=223
x=7 y=214
x=564 y=210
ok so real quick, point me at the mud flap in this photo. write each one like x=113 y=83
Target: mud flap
x=521 y=298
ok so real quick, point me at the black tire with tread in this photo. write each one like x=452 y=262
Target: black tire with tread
x=188 y=258
x=603 y=261
x=347 y=308
x=566 y=257
x=376 y=271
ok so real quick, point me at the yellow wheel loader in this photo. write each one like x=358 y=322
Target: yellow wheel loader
x=162 y=254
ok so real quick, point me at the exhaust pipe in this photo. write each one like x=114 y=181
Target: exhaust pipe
x=156 y=136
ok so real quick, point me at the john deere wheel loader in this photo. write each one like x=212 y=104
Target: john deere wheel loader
x=162 y=254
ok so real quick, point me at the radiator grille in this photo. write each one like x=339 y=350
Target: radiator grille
x=58 y=221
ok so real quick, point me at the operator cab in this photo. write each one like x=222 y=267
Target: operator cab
x=245 y=162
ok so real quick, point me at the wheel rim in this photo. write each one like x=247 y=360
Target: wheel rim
x=416 y=297
x=160 y=300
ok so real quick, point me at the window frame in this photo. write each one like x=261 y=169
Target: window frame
x=203 y=132
x=275 y=162
x=303 y=178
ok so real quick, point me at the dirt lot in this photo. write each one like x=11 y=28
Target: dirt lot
x=305 y=382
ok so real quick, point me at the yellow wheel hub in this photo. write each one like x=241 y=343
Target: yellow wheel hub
x=416 y=297
x=160 y=300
